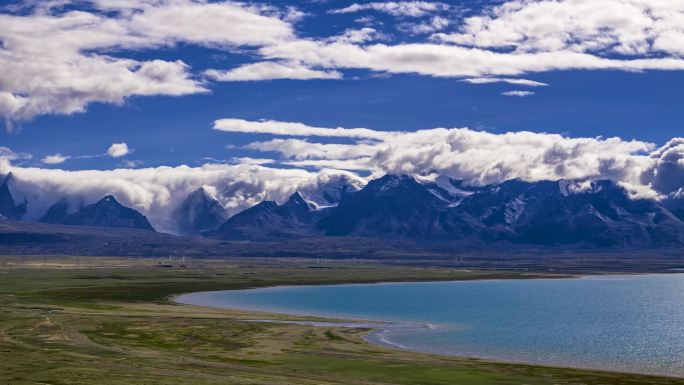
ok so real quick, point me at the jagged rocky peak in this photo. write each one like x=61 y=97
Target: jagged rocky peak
x=390 y=182
x=9 y=208
x=109 y=201
x=329 y=192
x=298 y=203
x=57 y=213
x=199 y=212
x=268 y=220
x=393 y=184
x=390 y=206
x=108 y=212
x=443 y=189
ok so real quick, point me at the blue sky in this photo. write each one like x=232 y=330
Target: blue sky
x=173 y=130
x=150 y=99
x=177 y=130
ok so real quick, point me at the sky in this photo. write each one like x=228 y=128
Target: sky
x=130 y=95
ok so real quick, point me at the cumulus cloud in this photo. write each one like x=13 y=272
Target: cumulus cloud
x=436 y=23
x=667 y=172
x=157 y=192
x=396 y=8
x=361 y=35
x=270 y=70
x=57 y=60
x=117 y=150
x=500 y=42
x=55 y=159
x=517 y=93
x=625 y=27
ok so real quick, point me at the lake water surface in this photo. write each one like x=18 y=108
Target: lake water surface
x=623 y=323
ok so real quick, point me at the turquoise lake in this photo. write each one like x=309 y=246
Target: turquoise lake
x=624 y=323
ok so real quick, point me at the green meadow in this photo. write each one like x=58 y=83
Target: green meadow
x=113 y=321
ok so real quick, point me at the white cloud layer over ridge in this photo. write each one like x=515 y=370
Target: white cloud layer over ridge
x=477 y=157
x=157 y=192
x=59 y=60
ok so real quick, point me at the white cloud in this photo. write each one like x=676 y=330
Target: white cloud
x=55 y=159
x=117 y=150
x=667 y=172
x=357 y=36
x=131 y=163
x=294 y=129
x=359 y=164
x=625 y=27
x=561 y=35
x=7 y=154
x=450 y=60
x=303 y=149
x=219 y=24
x=396 y=8
x=57 y=61
x=270 y=71
x=517 y=93
x=254 y=161
x=520 y=82
x=437 y=23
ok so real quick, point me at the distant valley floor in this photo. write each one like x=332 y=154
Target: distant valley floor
x=82 y=320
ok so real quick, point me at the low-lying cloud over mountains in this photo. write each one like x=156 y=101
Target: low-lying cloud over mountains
x=575 y=214
x=321 y=170
x=157 y=192
x=477 y=157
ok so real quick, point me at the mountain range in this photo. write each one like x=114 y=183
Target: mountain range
x=400 y=207
x=199 y=212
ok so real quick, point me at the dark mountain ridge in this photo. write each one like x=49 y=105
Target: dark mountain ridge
x=8 y=207
x=199 y=213
x=568 y=214
x=545 y=213
x=107 y=212
x=268 y=221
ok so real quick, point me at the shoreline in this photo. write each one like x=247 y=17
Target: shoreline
x=126 y=306
x=377 y=328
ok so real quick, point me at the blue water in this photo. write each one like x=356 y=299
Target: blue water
x=623 y=323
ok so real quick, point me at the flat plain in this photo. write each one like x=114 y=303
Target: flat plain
x=111 y=321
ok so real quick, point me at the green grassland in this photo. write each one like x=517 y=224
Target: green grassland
x=110 y=321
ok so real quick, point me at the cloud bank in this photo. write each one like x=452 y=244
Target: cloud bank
x=477 y=157
x=157 y=192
